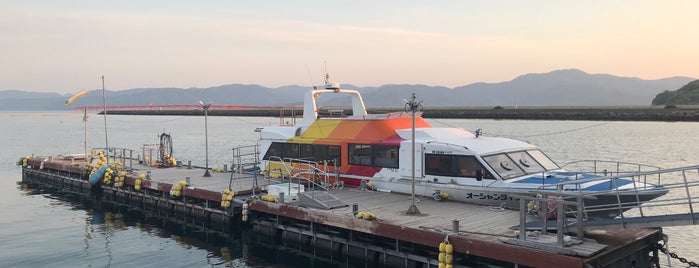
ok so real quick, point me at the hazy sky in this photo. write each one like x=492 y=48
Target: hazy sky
x=65 y=46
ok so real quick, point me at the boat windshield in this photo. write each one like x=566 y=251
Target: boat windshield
x=519 y=163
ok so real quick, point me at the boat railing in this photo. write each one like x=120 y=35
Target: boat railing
x=607 y=167
x=675 y=195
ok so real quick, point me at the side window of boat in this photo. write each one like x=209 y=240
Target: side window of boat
x=468 y=166
x=359 y=154
x=373 y=155
x=320 y=153
x=291 y=150
x=314 y=152
x=334 y=152
x=385 y=156
x=454 y=166
x=275 y=150
x=439 y=164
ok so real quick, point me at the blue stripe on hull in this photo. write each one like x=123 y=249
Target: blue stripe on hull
x=566 y=176
x=554 y=179
x=607 y=185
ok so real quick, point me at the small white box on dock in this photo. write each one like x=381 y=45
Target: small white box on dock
x=290 y=190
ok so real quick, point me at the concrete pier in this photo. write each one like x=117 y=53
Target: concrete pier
x=683 y=114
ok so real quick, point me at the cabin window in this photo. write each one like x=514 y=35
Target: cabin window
x=520 y=163
x=526 y=162
x=282 y=150
x=359 y=154
x=275 y=151
x=385 y=156
x=291 y=150
x=373 y=155
x=334 y=152
x=543 y=160
x=311 y=152
x=320 y=153
x=503 y=165
x=454 y=166
x=438 y=164
x=468 y=166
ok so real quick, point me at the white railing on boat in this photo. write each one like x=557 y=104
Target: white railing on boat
x=676 y=207
x=672 y=209
x=607 y=167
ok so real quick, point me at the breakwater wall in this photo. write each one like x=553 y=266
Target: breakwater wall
x=599 y=114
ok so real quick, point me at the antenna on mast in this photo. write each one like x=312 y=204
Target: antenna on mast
x=327 y=76
x=310 y=78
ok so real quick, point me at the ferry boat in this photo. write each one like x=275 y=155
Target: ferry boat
x=378 y=150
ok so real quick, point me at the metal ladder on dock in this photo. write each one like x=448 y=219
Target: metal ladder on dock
x=307 y=172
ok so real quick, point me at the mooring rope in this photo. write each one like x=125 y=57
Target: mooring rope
x=539 y=134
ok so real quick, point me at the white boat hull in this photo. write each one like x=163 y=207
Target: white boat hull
x=606 y=204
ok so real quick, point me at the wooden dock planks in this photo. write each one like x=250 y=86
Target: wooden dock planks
x=436 y=215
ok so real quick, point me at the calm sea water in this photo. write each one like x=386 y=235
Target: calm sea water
x=42 y=229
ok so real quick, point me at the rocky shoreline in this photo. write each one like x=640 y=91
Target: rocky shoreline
x=595 y=114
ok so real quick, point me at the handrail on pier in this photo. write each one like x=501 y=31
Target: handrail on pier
x=295 y=168
x=116 y=154
x=560 y=199
x=245 y=157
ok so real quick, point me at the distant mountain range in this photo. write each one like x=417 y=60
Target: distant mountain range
x=570 y=87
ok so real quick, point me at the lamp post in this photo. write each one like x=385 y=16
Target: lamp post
x=85 y=125
x=205 y=107
x=413 y=106
x=104 y=106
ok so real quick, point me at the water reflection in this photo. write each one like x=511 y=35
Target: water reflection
x=111 y=231
x=107 y=225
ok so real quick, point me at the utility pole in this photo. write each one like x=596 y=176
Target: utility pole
x=85 y=123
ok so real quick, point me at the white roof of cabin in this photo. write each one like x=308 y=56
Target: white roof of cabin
x=461 y=137
x=278 y=132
